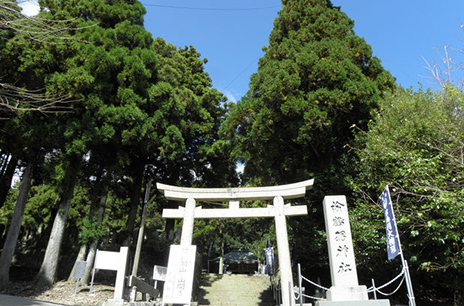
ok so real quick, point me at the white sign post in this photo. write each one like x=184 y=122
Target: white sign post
x=179 y=279
x=159 y=274
x=115 y=261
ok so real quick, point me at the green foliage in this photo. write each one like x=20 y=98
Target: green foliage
x=6 y=211
x=223 y=235
x=316 y=79
x=117 y=211
x=79 y=207
x=38 y=209
x=219 y=236
x=92 y=231
x=189 y=114
x=414 y=144
x=142 y=108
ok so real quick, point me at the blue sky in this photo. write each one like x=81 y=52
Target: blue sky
x=231 y=34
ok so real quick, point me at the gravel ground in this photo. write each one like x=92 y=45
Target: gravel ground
x=63 y=293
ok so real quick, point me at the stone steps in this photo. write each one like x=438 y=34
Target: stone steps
x=235 y=289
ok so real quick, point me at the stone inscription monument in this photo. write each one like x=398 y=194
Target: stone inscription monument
x=341 y=254
x=345 y=290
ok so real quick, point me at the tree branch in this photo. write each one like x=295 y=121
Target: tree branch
x=14 y=99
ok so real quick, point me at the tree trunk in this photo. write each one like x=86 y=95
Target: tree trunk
x=7 y=176
x=458 y=298
x=138 y=248
x=15 y=226
x=48 y=270
x=136 y=196
x=93 y=246
x=80 y=257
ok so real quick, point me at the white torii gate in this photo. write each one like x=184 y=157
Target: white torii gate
x=234 y=195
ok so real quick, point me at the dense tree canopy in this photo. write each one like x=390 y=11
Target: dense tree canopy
x=16 y=93
x=415 y=145
x=144 y=110
x=316 y=79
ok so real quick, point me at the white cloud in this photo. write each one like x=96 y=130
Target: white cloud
x=30 y=7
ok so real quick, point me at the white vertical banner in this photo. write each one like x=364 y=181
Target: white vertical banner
x=179 y=279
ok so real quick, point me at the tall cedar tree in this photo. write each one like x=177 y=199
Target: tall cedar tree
x=127 y=113
x=103 y=63
x=27 y=136
x=132 y=113
x=316 y=79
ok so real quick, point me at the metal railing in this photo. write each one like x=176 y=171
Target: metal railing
x=373 y=289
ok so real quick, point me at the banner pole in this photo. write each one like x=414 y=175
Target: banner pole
x=375 y=290
x=299 y=285
x=412 y=301
x=407 y=277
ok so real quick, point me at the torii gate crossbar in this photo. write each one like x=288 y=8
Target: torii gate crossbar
x=234 y=195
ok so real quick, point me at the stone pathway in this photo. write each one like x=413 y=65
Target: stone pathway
x=235 y=290
x=20 y=301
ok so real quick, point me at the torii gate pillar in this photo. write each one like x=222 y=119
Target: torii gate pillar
x=279 y=211
x=286 y=283
x=187 y=227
